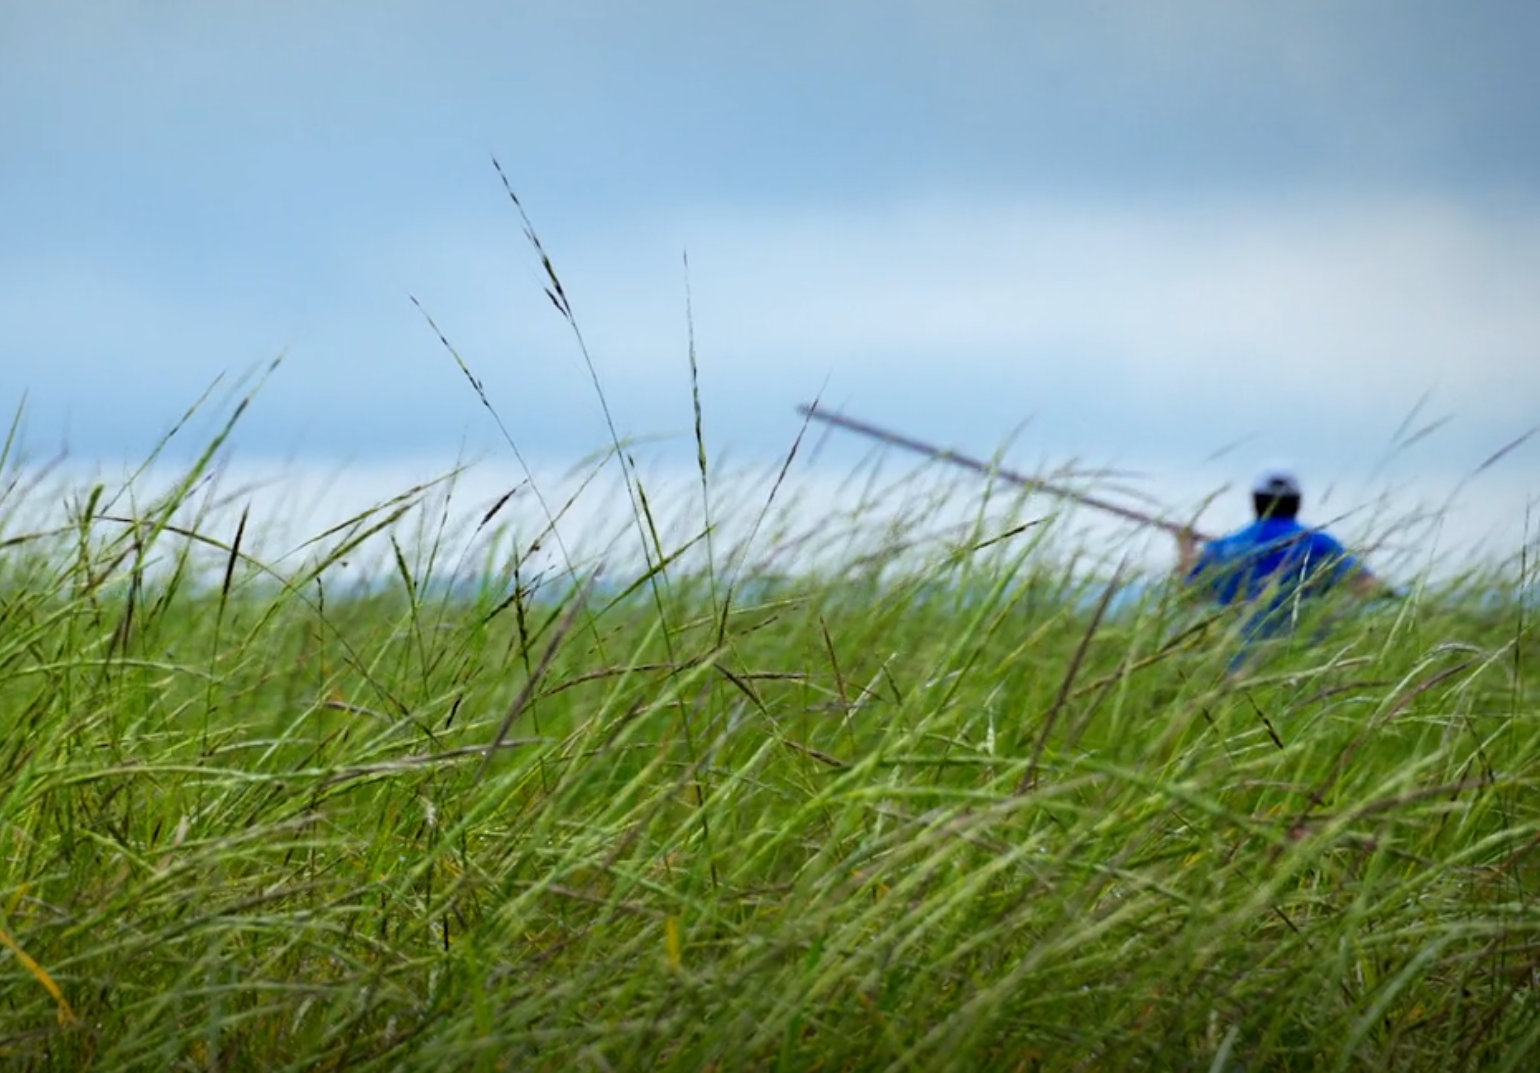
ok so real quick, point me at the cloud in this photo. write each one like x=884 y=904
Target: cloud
x=1363 y=289
x=1124 y=330
x=679 y=98
x=1306 y=314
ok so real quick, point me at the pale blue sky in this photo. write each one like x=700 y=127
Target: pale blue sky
x=1153 y=229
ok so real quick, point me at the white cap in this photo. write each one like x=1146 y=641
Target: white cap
x=1276 y=482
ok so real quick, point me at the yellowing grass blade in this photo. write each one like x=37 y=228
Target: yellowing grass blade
x=66 y=1015
x=672 y=943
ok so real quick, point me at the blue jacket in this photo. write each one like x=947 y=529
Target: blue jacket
x=1277 y=557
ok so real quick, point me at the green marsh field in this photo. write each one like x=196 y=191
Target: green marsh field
x=939 y=805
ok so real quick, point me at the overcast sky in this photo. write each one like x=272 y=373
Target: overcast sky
x=1147 y=230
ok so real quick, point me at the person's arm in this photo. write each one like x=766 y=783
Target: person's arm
x=1189 y=548
x=1357 y=578
x=1370 y=586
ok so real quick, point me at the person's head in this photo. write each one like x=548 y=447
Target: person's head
x=1276 y=495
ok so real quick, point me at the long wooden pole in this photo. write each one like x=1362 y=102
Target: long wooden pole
x=990 y=470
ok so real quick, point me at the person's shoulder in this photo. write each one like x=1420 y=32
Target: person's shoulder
x=1265 y=535
x=1222 y=547
x=1245 y=536
x=1323 y=543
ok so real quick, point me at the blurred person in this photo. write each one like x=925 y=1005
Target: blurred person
x=1275 y=563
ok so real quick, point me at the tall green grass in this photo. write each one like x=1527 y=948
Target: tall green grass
x=939 y=808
